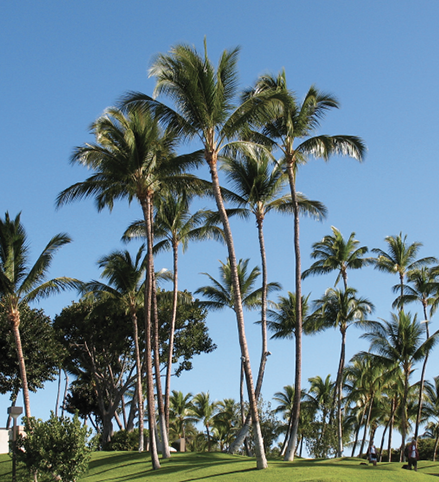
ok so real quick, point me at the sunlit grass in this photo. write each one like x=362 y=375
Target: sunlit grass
x=132 y=466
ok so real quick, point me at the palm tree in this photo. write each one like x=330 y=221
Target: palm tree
x=423 y=287
x=180 y=412
x=204 y=410
x=225 y=421
x=335 y=253
x=174 y=225
x=292 y=121
x=340 y=309
x=21 y=283
x=132 y=159
x=205 y=110
x=398 y=342
x=257 y=189
x=400 y=258
x=125 y=277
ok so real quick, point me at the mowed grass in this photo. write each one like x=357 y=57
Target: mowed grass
x=132 y=466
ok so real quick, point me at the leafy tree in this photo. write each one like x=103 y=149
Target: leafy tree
x=291 y=121
x=42 y=352
x=57 y=449
x=125 y=276
x=21 y=283
x=98 y=338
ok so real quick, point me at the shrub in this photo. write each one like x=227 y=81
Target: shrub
x=125 y=441
x=56 y=449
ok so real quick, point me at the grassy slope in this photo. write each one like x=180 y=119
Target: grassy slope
x=131 y=466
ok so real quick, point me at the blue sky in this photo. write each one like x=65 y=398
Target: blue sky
x=63 y=63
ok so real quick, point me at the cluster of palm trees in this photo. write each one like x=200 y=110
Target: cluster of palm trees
x=375 y=387
x=259 y=138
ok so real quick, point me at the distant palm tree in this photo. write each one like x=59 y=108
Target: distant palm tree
x=21 y=283
x=334 y=253
x=180 y=413
x=292 y=121
x=423 y=287
x=431 y=411
x=204 y=410
x=340 y=309
x=398 y=342
x=400 y=258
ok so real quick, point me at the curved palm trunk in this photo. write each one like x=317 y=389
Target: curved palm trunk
x=211 y=158
x=171 y=335
x=366 y=426
x=436 y=443
x=289 y=455
x=139 y=389
x=424 y=367
x=146 y=207
x=14 y=319
x=357 y=432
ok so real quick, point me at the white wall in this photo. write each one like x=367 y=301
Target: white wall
x=4 y=439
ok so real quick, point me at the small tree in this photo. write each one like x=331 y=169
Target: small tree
x=58 y=449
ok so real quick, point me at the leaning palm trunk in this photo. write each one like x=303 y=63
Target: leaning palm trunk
x=14 y=320
x=171 y=336
x=291 y=449
x=211 y=158
x=146 y=207
x=366 y=426
x=424 y=366
x=242 y=434
x=392 y=418
x=404 y=416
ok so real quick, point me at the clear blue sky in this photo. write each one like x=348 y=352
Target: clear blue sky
x=62 y=63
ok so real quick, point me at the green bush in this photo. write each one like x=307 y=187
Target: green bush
x=57 y=449
x=125 y=441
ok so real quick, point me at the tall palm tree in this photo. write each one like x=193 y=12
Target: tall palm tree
x=132 y=159
x=400 y=258
x=125 y=277
x=334 y=253
x=292 y=121
x=399 y=342
x=422 y=286
x=204 y=410
x=21 y=283
x=341 y=309
x=174 y=225
x=257 y=189
x=205 y=110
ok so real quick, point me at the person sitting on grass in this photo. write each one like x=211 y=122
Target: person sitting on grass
x=372 y=454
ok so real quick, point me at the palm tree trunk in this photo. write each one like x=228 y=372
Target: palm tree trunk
x=366 y=426
x=404 y=415
x=211 y=158
x=340 y=393
x=264 y=353
x=66 y=388
x=389 y=445
x=161 y=408
x=289 y=455
x=436 y=443
x=139 y=389
x=146 y=207
x=357 y=433
x=424 y=366
x=171 y=335
x=14 y=319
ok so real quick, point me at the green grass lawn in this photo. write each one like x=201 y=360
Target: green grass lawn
x=132 y=466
